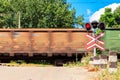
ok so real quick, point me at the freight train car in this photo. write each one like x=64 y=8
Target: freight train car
x=112 y=39
x=42 y=43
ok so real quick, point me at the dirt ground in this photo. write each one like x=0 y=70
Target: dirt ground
x=45 y=73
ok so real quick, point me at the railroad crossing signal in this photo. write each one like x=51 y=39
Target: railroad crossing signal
x=95 y=42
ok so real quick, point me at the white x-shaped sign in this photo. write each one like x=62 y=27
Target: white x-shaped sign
x=95 y=39
x=96 y=46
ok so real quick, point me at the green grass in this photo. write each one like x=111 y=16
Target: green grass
x=35 y=63
x=73 y=64
x=76 y=63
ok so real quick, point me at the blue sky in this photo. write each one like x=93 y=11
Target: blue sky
x=89 y=7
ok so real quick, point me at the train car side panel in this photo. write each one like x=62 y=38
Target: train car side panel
x=59 y=42
x=21 y=42
x=78 y=42
x=5 y=42
x=40 y=42
x=112 y=36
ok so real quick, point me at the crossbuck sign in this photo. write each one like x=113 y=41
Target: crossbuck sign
x=95 y=42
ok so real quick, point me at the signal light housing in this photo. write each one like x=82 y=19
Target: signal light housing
x=101 y=26
x=94 y=24
x=88 y=26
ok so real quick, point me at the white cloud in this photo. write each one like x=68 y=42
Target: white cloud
x=97 y=14
x=88 y=11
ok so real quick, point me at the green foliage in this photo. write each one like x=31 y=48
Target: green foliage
x=85 y=60
x=111 y=19
x=37 y=14
x=34 y=63
x=98 y=31
x=17 y=62
x=98 y=51
x=117 y=16
x=73 y=64
x=79 y=21
x=108 y=18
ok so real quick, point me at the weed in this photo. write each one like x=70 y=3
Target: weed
x=105 y=75
x=31 y=63
x=84 y=61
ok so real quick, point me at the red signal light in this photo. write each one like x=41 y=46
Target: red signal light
x=88 y=26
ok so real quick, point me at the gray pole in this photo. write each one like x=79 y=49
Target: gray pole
x=19 y=24
x=94 y=51
x=94 y=34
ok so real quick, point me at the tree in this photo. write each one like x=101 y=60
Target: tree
x=79 y=21
x=108 y=18
x=117 y=16
x=4 y=12
x=38 y=14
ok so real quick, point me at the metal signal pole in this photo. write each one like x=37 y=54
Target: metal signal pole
x=94 y=34
x=19 y=21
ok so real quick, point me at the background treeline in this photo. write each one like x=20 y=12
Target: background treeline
x=38 y=14
x=47 y=14
x=111 y=19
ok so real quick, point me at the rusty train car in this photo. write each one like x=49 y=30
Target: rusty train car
x=41 y=43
